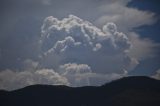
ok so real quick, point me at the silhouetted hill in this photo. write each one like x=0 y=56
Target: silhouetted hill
x=128 y=91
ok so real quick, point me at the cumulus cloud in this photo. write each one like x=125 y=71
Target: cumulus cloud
x=75 y=52
x=11 y=79
x=70 y=74
x=72 y=51
x=73 y=40
x=82 y=75
x=77 y=74
x=157 y=75
x=25 y=36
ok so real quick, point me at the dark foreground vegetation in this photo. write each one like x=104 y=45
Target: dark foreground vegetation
x=129 y=91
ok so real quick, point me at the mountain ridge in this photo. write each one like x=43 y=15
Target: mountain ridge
x=127 y=91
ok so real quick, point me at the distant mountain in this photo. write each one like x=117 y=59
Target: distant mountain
x=128 y=91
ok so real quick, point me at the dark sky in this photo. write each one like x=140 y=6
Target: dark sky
x=149 y=6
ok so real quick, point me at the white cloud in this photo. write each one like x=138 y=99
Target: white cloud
x=81 y=55
x=126 y=18
x=77 y=74
x=79 y=52
x=77 y=41
x=82 y=75
x=142 y=48
x=10 y=79
x=70 y=74
x=157 y=75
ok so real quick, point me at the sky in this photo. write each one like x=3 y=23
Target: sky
x=77 y=42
